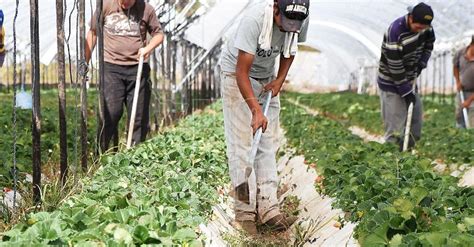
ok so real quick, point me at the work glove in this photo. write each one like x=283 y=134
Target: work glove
x=410 y=98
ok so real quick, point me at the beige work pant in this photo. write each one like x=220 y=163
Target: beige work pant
x=263 y=179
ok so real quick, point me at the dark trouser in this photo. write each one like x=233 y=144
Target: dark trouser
x=394 y=114
x=2 y=59
x=118 y=90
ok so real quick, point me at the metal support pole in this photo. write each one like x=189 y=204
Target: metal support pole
x=83 y=74
x=61 y=91
x=36 y=109
x=100 y=71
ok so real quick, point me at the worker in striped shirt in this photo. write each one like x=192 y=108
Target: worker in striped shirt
x=406 y=49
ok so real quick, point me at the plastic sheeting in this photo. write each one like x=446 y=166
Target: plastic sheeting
x=212 y=26
x=350 y=32
x=345 y=31
x=47 y=26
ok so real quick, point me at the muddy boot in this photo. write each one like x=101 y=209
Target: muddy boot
x=280 y=223
x=248 y=226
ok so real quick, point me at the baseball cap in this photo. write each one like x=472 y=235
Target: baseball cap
x=421 y=13
x=293 y=13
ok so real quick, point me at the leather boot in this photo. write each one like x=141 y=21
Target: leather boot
x=280 y=223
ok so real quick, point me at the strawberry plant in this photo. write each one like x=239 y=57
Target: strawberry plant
x=395 y=197
x=156 y=193
x=49 y=133
x=440 y=138
x=349 y=108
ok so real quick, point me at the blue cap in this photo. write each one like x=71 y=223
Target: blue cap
x=1 y=18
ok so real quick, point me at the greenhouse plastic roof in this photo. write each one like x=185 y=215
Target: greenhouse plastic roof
x=351 y=31
x=345 y=31
x=210 y=27
x=47 y=26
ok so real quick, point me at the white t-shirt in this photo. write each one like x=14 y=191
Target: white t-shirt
x=245 y=38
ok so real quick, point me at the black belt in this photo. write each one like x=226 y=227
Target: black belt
x=261 y=79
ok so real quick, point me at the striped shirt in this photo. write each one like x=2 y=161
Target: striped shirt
x=404 y=55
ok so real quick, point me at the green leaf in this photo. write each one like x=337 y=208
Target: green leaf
x=404 y=207
x=110 y=227
x=469 y=221
x=437 y=239
x=145 y=220
x=470 y=202
x=447 y=226
x=12 y=233
x=195 y=243
x=462 y=227
x=122 y=236
x=377 y=238
x=141 y=233
x=461 y=239
x=122 y=216
x=185 y=234
x=89 y=234
x=397 y=222
x=418 y=194
x=381 y=217
x=396 y=241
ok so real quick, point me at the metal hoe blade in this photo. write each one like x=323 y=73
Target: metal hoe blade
x=464 y=111
x=408 y=127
